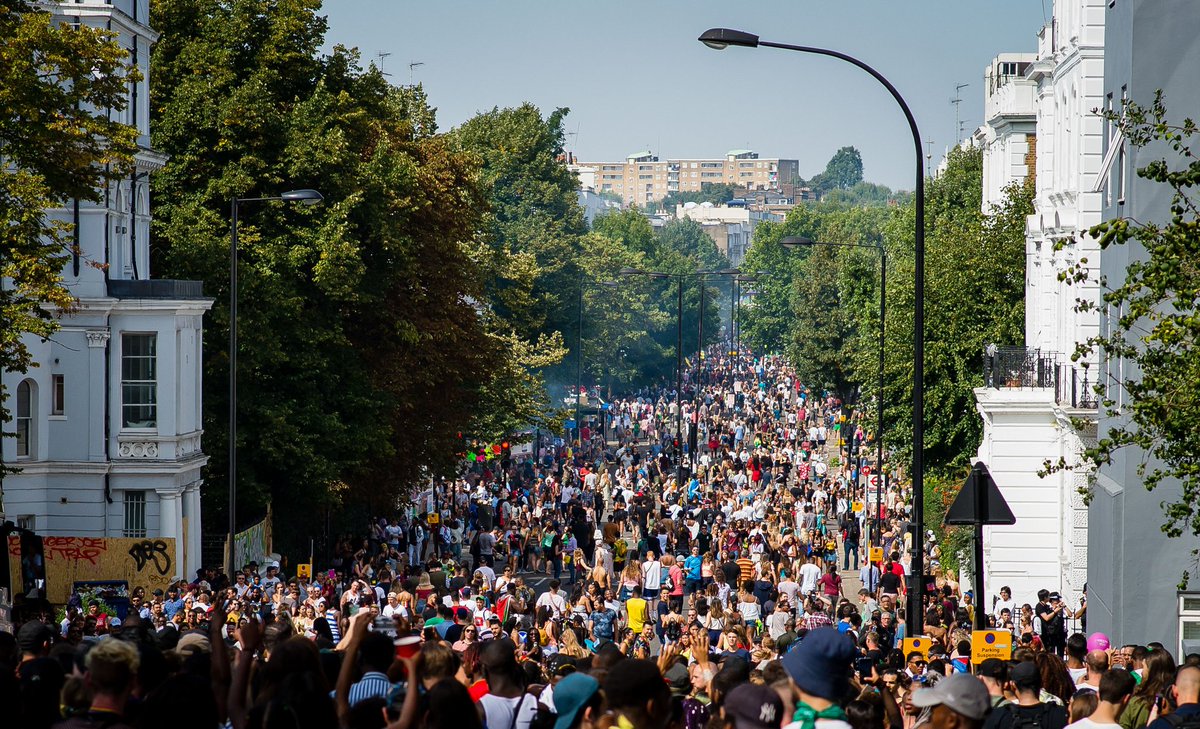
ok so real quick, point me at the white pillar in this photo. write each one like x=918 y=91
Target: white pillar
x=193 y=557
x=169 y=525
x=97 y=340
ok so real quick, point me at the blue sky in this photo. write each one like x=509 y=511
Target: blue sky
x=635 y=77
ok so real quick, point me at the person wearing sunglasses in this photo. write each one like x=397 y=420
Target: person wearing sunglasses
x=916 y=666
x=470 y=635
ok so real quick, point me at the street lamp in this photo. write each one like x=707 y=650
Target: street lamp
x=583 y=284
x=679 y=277
x=798 y=241
x=704 y=276
x=304 y=197
x=721 y=38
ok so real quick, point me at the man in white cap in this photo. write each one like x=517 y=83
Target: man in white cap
x=957 y=702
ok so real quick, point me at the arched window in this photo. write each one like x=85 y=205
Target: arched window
x=25 y=412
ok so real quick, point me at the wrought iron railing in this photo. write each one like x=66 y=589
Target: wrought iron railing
x=1018 y=367
x=1073 y=384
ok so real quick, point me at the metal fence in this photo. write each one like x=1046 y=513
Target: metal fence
x=1073 y=384
x=1018 y=367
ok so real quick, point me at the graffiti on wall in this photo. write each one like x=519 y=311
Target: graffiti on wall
x=148 y=563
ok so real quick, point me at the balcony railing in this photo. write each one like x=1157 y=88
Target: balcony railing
x=1018 y=367
x=1025 y=367
x=1075 y=386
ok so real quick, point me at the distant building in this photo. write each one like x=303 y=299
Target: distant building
x=730 y=226
x=594 y=204
x=1008 y=137
x=1033 y=393
x=1133 y=568
x=643 y=178
x=108 y=425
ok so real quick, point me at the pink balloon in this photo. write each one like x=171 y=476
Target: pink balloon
x=1098 y=642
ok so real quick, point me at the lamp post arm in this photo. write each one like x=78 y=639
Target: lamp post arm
x=915 y=601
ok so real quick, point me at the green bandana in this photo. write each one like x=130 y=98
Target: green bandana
x=807 y=715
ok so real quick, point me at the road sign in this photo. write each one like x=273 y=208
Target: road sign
x=304 y=571
x=919 y=644
x=990 y=644
x=866 y=470
x=970 y=508
x=873 y=480
x=876 y=554
x=858 y=507
x=434 y=518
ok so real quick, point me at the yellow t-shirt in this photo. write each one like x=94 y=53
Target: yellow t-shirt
x=639 y=613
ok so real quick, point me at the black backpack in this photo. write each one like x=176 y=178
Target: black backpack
x=1191 y=721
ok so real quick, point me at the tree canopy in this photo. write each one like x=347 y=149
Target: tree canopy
x=54 y=149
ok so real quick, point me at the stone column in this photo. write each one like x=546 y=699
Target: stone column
x=169 y=526
x=97 y=387
x=193 y=557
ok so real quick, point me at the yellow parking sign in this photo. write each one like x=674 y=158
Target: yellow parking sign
x=987 y=644
x=919 y=644
x=858 y=506
x=304 y=571
x=876 y=554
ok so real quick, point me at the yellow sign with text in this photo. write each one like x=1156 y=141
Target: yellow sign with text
x=919 y=644
x=876 y=554
x=987 y=644
x=304 y=571
x=858 y=506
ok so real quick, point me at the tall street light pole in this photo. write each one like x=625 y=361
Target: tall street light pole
x=720 y=38
x=704 y=278
x=798 y=241
x=583 y=284
x=679 y=277
x=305 y=197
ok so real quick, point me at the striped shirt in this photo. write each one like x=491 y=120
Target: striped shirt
x=373 y=684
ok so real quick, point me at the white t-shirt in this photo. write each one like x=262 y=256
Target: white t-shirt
x=1089 y=724
x=556 y=603
x=651 y=578
x=498 y=711
x=810 y=574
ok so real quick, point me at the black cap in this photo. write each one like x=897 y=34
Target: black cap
x=993 y=668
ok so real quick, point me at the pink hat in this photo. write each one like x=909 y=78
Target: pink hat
x=1098 y=642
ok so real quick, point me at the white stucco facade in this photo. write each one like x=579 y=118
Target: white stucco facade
x=1032 y=393
x=109 y=421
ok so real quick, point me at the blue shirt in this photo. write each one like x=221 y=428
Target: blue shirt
x=692 y=565
x=170 y=607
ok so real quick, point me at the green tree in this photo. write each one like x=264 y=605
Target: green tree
x=845 y=170
x=717 y=193
x=366 y=339
x=53 y=148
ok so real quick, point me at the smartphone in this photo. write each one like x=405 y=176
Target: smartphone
x=863 y=666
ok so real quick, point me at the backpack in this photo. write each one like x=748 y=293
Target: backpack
x=1192 y=721
x=1028 y=720
x=620 y=548
x=667 y=583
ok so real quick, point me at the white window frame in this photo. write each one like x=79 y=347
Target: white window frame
x=25 y=420
x=127 y=382
x=58 y=395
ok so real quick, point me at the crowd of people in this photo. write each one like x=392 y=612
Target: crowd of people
x=639 y=574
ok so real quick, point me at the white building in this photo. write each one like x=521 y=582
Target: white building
x=730 y=226
x=109 y=424
x=1008 y=137
x=1032 y=392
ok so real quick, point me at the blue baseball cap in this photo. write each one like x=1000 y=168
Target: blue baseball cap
x=571 y=695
